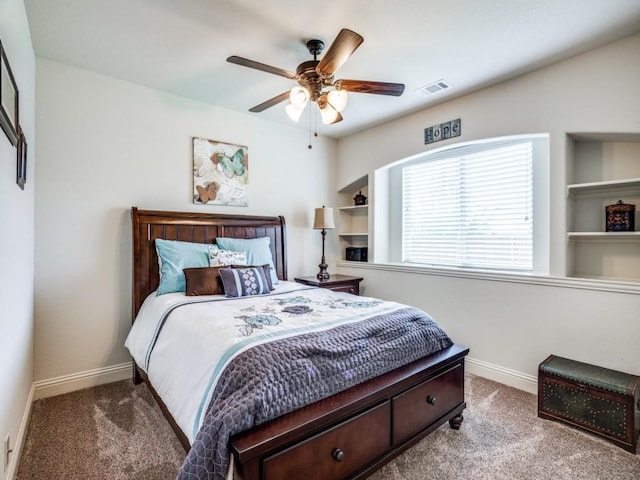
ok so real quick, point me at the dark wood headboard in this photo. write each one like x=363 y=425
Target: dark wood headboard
x=195 y=227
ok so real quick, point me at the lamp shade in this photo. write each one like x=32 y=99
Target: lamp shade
x=293 y=112
x=338 y=99
x=299 y=97
x=323 y=218
x=330 y=115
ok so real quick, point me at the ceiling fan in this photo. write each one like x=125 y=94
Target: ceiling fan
x=316 y=80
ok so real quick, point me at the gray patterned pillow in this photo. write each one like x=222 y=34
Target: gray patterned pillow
x=242 y=282
x=265 y=267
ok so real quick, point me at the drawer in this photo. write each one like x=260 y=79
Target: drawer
x=419 y=407
x=336 y=453
x=347 y=288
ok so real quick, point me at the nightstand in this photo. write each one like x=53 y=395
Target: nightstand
x=337 y=283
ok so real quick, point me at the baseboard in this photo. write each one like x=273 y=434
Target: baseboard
x=499 y=374
x=14 y=460
x=80 y=380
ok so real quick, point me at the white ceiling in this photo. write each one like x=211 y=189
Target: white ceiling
x=181 y=46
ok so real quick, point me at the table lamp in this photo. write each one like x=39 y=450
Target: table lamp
x=323 y=220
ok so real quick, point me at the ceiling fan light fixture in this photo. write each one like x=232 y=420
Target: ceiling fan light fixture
x=293 y=112
x=338 y=99
x=299 y=97
x=329 y=114
x=313 y=76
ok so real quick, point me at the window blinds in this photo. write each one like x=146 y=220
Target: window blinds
x=471 y=209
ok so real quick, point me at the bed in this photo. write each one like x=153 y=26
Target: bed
x=325 y=434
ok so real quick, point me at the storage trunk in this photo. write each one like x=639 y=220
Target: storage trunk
x=602 y=401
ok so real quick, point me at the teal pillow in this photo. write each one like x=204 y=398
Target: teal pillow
x=257 y=250
x=173 y=257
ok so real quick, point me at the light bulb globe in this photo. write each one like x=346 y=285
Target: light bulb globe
x=293 y=113
x=338 y=99
x=299 y=97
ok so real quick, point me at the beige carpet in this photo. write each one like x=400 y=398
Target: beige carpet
x=117 y=432
x=110 y=432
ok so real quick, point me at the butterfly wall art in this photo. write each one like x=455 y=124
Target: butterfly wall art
x=220 y=173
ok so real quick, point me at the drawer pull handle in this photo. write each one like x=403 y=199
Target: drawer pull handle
x=431 y=400
x=338 y=455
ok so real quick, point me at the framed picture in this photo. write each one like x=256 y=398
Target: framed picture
x=21 y=164
x=8 y=99
x=220 y=173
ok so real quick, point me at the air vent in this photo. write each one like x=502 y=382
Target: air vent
x=434 y=87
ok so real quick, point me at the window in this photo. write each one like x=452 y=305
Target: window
x=470 y=210
x=480 y=205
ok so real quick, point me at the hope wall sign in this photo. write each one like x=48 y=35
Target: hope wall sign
x=442 y=131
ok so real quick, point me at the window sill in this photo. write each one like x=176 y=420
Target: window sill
x=565 y=282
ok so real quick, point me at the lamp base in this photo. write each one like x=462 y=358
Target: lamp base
x=323 y=274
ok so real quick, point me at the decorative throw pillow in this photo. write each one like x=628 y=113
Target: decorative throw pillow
x=257 y=249
x=243 y=282
x=204 y=281
x=173 y=257
x=217 y=256
x=266 y=269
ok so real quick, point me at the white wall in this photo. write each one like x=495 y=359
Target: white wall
x=16 y=240
x=106 y=145
x=515 y=326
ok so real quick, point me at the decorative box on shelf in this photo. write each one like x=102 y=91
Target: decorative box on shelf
x=621 y=217
x=596 y=399
x=356 y=254
x=360 y=199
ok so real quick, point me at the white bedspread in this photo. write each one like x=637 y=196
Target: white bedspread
x=200 y=335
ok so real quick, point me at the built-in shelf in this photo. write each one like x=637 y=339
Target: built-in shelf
x=604 y=189
x=353 y=219
x=364 y=209
x=602 y=169
x=604 y=236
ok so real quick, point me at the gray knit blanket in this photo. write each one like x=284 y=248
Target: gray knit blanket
x=275 y=378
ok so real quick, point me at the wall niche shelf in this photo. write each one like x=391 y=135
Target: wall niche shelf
x=604 y=236
x=353 y=220
x=602 y=168
x=354 y=234
x=604 y=189
x=355 y=209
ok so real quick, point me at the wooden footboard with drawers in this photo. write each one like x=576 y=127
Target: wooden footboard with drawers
x=355 y=432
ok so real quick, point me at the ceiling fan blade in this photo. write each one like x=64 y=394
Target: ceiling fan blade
x=271 y=102
x=378 y=88
x=261 y=66
x=340 y=50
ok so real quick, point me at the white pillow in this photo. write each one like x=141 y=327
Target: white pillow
x=217 y=256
